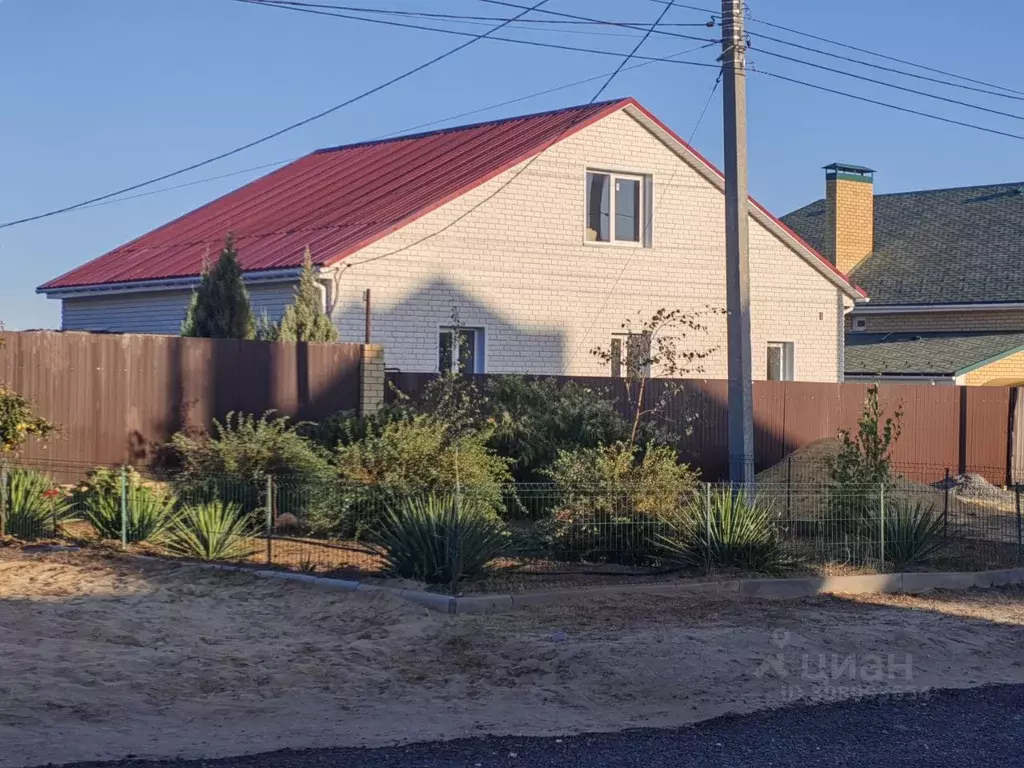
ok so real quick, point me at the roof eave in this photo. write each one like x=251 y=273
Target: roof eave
x=159 y=284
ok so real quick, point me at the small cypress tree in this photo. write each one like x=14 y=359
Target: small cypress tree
x=305 y=319
x=220 y=306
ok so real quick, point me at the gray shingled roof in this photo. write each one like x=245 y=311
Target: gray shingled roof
x=928 y=354
x=943 y=246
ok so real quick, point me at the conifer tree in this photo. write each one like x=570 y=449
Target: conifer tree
x=220 y=306
x=305 y=319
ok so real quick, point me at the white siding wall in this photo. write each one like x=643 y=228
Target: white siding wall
x=518 y=267
x=158 y=311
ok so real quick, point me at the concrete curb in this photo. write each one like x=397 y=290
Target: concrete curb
x=773 y=589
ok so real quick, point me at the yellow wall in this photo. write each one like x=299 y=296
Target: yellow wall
x=1007 y=372
x=850 y=210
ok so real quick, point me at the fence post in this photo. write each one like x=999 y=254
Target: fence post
x=707 y=528
x=945 y=509
x=789 y=487
x=3 y=497
x=1020 y=523
x=124 y=507
x=881 y=524
x=270 y=519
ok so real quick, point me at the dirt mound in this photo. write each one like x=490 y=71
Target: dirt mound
x=804 y=466
x=974 y=486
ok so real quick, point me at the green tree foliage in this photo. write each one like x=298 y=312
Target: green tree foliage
x=611 y=499
x=305 y=319
x=18 y=422
x=220 y=306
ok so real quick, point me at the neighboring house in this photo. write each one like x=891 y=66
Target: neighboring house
x=544 y=233
x=943 y=269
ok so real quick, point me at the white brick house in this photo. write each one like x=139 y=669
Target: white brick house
x=543 y=232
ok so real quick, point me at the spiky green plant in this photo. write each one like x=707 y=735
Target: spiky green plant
x=211 y=531
x=149 y=513
x=726 y=529
x=913 y=533
x=440 y=539
x=35 y=506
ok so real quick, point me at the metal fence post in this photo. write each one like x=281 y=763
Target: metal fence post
x=124 y=507
x=3 y=498
x=270 y=519
x=881 y=524
x=1020 y=524
x=707 y=528
x=945 y=509
x=789 y=487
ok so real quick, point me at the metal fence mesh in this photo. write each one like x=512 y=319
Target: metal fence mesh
x=554 y=534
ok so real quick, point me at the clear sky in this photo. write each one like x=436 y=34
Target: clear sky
x=100 y=94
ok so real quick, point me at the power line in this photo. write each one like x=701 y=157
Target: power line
x=275 y=134
x=908 y=110
x=894 y=86
x=884 y=68
x=858 y=49
x=632 y=53
x=650 y=221
x=401 y=131
x=491 y=19
x=491 y=196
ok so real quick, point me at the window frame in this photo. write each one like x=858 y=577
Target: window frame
x=788 y=360
x=862 y=327
x=479 y=343
x=646 y=217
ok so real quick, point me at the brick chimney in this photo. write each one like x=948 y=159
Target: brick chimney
x=850 y=200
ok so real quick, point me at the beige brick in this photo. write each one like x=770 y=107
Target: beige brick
x=517 y=265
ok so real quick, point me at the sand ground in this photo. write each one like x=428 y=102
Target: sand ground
x=103 y=657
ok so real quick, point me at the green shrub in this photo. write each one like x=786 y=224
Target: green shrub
x=35 y=506
x=439 y=540
x=409 y=459
x=149 y=512
x=233 y=462
x=535 y=419
x=611 y=501
x=726 y=530
x=211 y=531
x=913 y=533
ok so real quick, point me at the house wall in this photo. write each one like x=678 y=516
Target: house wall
x=1004 y=373
x=999 y=320
x=158 y=312
x=518 y=266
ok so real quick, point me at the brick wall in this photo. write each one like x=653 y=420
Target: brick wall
x=1002 y=320
x=519 y=268
x=850 y=207
x=1006 y=372
x=371 y=379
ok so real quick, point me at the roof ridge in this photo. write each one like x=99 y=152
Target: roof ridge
x=597 y=105
x=951 y=189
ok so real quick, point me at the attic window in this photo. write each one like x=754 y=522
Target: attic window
x=617 y=206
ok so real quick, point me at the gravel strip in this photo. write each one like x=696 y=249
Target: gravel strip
x=970 y=727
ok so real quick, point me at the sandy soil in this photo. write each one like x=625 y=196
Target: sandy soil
x=102 y=657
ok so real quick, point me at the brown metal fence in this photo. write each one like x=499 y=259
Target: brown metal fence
x=118 y=398
x=964 y=429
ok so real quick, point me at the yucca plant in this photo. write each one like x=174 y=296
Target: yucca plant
x=726 y=529
x=211 y=531
x=439 y=539
x=913 y=533
x=149 y=513
x=35 y=507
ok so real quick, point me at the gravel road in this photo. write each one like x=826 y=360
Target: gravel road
x=973 y=728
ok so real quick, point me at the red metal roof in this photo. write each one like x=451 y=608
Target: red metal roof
x=335 y=201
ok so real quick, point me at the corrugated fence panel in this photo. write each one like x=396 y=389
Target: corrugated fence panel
x=987 y=437
x=119 y=398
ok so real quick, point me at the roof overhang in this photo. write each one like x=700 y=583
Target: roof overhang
x=164 y=284
x=889 y=309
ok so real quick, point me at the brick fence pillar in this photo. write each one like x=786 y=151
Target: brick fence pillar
x=371 y=379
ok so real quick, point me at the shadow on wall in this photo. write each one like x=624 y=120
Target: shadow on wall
x=409 y=326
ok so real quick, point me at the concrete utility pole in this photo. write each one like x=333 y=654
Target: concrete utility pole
x=737 y=268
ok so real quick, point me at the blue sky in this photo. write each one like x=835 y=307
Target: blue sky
x=100 y=94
